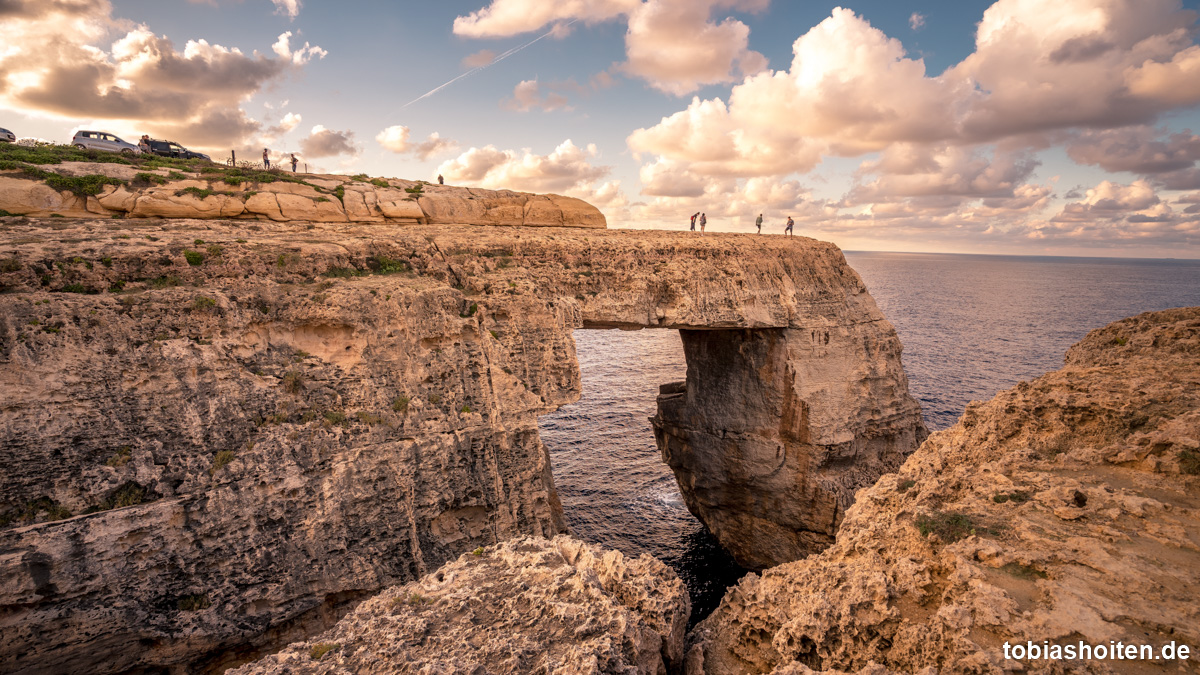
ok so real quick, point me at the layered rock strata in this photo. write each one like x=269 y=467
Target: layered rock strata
x=1063 y=511
x=220 y=435
x=527 y=605
x=163 y=193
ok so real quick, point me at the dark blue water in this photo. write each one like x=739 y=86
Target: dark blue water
x=971 y=326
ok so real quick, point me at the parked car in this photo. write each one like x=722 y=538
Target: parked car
x=172 y=149
x=7 y=136
x=100 y=140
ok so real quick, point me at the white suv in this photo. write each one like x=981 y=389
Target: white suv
x=99 y=140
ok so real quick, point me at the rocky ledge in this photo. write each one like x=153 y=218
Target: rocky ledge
x=1064 y=510
x=217 y=192
x=221 y=435
x=559 y=607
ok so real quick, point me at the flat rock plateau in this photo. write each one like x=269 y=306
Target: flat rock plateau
x=223 y=432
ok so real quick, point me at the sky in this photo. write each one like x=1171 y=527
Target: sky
x=1012 y=127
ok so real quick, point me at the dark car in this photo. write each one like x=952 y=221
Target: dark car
x=171 y=149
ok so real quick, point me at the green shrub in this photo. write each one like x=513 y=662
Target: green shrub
x=369 y=419
x=340 y=193
x=9 y=265
x=164 y=282
x=129 y=494
x=150 y=179
x=415 y=190
x=949 y=527
x=199 y=193
x=1018 y=497
x=335 y=417
x=400 y=404
x=194 y=258
x=106 y=261
x=478 y=553
x=214 y=250
x=1189 y=462
x=465 y=409
x=435 y=399
x=293 y=382
x=390 y=266
x=203 y=304
x=379 y=182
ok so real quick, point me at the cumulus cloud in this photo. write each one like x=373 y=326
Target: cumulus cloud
x=527 y=95
x=908 y=170
x=300 y=56
x=566 y=167
x=674 y=45
x=916 y=21
x=322 y=142
x=396 y=139
x=50 y=65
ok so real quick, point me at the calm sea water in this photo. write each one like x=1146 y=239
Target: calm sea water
x=971 y=326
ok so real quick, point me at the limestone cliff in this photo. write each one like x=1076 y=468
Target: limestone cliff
x=1064 y=510
x=221 y=434
x=217 y=192
x=527 y=605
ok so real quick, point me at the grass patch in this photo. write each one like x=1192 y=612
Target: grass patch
x=471 y=311
x=319 y=650
x=465 y=409
x=949 y=527
x=293 y=382
x=220 y=461
x=388 y=265
x=415 y=190
x=370 y=419
x=31 y=510
x=478 y=553
x=166 y=281
x=1121 y=342
x=334 y=418
x=199 y=193
x=340 y=193
x=121 y=458
x=214 y=250
x=203 y=304
x=129 y=494
x=400 y=404
x=379 y=182
x=435 y=399
x=194 y=258
x=1017 y=497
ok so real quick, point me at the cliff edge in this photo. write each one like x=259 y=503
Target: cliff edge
x=1064 y=510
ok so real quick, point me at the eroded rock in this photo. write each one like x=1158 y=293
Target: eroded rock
x=220 y=435
x=524 y=606
x=983 y=537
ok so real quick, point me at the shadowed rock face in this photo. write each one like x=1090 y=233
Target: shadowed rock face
x=775 y=430
x=220 y=435
x=1065 y=510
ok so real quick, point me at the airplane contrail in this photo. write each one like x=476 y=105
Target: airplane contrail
x=493 y=62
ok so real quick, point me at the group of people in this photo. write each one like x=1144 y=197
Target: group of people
x=757 y=223
x=267 y=160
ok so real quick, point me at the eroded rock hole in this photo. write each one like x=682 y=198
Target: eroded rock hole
x=614 y=487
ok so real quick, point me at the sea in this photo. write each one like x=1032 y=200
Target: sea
x=971 y=326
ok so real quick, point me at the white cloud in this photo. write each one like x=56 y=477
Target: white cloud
x=300 y=56
x=479 y=59
x=527 y=95
x=1138 y=149
x=916 y=21
x=675 y=45
x=396 y=139
x=322 y=142
x=50 y=65
x=566 y=167
x=288 y=8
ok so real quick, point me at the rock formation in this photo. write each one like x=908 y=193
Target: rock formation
x=222 y=434
x=220 y=193
x=524 y=606
x=775 y=430
x=1065 y=510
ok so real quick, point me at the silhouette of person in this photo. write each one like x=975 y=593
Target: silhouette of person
x=266 y=159
x=758 y=224
x=703 y=222
x=441 y=181
x=694 y=217
x=790 y=223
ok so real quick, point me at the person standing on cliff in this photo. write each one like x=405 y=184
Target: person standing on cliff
x=758 y=224
x=266 y=160
x=441 y=181
x=703 y=222
x=788 y=230
x=694 y=217
x=294 y=162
